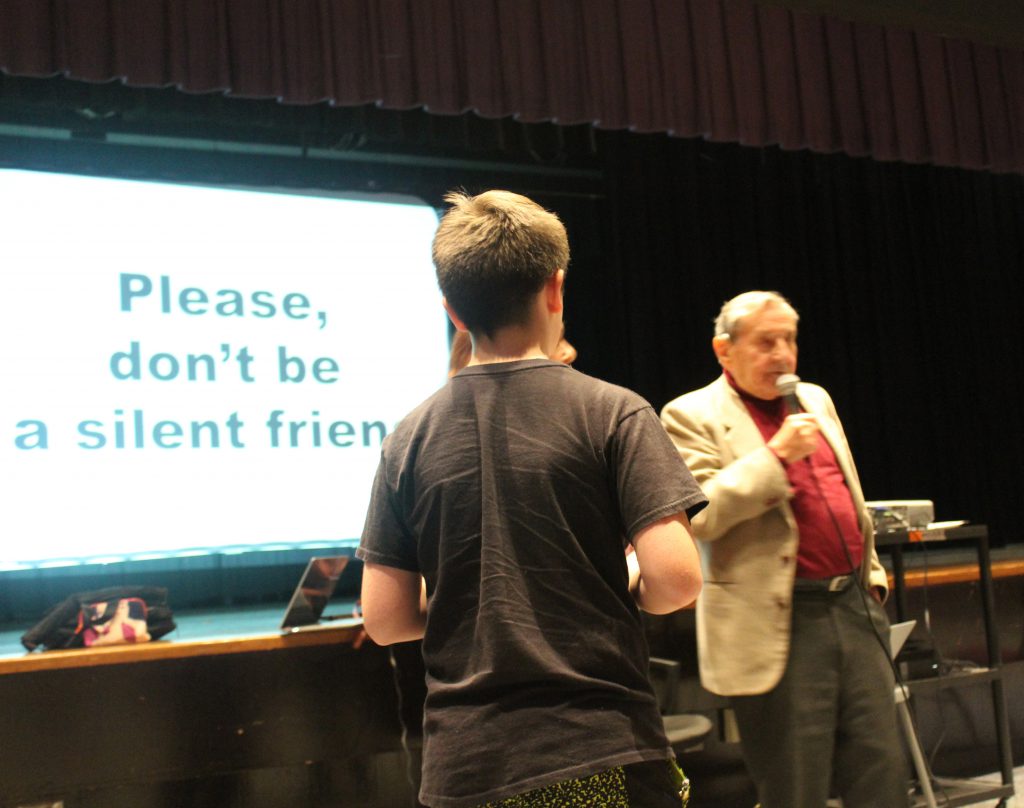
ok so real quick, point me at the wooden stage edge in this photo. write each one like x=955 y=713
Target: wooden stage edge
x=177 y=649
x=349 y=634
x=960 y=573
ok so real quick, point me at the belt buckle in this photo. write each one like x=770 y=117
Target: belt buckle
x=838 y=584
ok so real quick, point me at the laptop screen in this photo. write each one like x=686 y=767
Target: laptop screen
x=314 y=590
x=898 y=633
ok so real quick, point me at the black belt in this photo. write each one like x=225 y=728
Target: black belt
x=823 y=586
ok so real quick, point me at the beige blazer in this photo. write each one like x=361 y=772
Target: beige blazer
x=747 y=534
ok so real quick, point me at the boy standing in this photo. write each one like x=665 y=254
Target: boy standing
x=497 y=532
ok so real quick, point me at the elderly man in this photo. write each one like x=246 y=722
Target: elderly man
x=789 y=624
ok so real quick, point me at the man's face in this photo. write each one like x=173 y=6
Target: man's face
x=764 y=349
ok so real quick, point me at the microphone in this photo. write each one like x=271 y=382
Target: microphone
x=786 y=385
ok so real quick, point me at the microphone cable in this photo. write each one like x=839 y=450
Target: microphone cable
x=864 y=595
x=407 y=753
x=787 y=387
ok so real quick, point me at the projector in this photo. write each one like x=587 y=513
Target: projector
x=901 y=514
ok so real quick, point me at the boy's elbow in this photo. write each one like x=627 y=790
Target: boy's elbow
x=670 y=593
x=376 y=631
x=691 y=588
x=391 y=628
x=687 y=590
x=381 y=629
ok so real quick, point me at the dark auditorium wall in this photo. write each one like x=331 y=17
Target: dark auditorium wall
x=907 y=277
x=908 y=280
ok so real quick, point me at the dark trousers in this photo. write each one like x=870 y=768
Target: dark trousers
x=831 y=720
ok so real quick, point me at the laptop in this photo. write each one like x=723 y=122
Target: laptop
x=305 y=610
x=898 y=633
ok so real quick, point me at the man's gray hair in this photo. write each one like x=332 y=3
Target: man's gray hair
x=728 y=321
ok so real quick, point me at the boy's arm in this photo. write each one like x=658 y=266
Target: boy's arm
x=664 y=568
x=394 y=604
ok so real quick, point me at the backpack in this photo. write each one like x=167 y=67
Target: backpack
x=111 y=616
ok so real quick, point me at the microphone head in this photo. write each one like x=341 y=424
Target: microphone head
x=786 y=384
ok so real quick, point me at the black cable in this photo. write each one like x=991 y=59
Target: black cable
x=406 y=751
x=864 y=595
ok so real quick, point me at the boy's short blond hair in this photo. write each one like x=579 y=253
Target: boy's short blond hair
x=493 y=253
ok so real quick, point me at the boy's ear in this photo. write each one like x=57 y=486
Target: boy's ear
x=459 y=325
x=554 y=289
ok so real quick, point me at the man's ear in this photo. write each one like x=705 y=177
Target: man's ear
x=554 y=288
x=721 y=345
x=456 y=321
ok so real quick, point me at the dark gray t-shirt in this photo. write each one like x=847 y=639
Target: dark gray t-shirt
x=514 y=490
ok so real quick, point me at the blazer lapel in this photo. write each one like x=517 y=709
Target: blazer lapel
x=741 y=433
x=828 y=430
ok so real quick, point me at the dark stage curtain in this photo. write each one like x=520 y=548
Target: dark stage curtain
x=726 y=70
x=907 y=278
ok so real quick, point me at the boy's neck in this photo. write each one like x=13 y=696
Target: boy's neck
x=509 y=345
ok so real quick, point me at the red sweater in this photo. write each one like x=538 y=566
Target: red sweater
x=819 y=493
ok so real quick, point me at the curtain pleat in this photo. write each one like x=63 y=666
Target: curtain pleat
x=726 y=70
x=781 y=65
x=906 y=279
x=846 y=83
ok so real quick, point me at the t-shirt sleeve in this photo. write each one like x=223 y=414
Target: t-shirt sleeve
x=386 y=539
x=652 y=480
